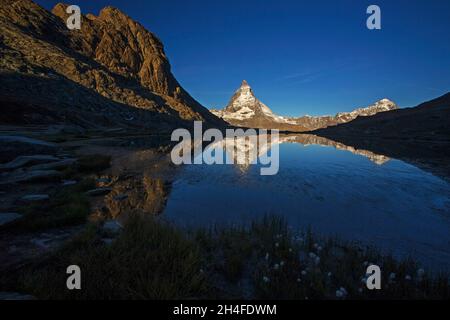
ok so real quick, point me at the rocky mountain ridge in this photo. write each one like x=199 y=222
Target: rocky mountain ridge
x=245 y=110
x=111 y=72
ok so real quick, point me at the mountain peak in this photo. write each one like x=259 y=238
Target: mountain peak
x=112 y=13
x=244 y=84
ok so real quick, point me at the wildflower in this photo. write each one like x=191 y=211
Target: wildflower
x=281 y=263
x=408 y=278
x=276 y=266
x=304 y=272
x=312 y=255
x=339 y=294
x=329 y=274
x=277 y=245
x=317 y=260
x=266 y=279
x=290 y=249
x=299 y=280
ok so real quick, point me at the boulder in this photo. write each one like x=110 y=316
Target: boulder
x=35 y=197
x=9 y=217
x=112 y=226
x=31 y=176
x=23 y=161
x=98 y=192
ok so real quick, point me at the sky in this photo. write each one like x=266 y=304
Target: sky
x=299 y=57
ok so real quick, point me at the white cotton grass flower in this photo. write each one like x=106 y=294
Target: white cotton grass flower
x=317 y=260
x=266 y=279
x=408 y=277
x=299 y=280
x=312 y=255
x=276 y=266
x=329 y=274
x=277 y=244
x=282 y=263
x=341 y=292
x=290 y=249
x=304 y=272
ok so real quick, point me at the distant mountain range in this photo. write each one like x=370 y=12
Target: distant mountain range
x=419 y=135
x=111 y=72
x=245 y=110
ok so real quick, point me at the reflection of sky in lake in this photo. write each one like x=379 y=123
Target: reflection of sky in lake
x=394 y=206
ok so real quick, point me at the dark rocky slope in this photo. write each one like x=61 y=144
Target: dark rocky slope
x=111 y=72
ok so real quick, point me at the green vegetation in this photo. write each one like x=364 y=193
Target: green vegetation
x=68 y=206
x=150 y=259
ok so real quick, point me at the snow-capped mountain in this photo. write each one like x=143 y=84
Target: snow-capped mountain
x=245 y=110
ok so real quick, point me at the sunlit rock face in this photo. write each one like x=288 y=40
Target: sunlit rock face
x=245 y=110
x=112 y=71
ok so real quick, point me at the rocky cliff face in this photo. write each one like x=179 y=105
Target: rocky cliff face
x=245 y=110
x=112 y=71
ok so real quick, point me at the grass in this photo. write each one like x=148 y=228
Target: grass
x=68 y=206
x=86 y=165
x=266 y=260
x=147 y=261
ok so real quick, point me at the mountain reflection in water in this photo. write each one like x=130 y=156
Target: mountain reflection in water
x=335 y=189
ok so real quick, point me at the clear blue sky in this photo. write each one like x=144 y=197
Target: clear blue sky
x=300 y=57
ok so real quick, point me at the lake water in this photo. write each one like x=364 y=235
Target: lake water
x=331 y=188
